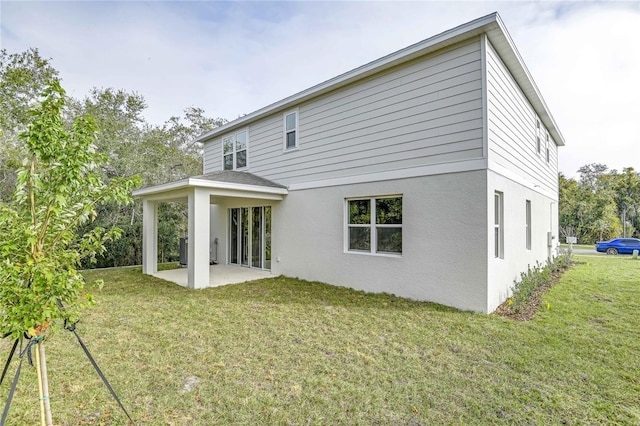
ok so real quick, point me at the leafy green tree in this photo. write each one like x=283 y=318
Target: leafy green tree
x=627 y=188
x=118 y=117
x=158 y=154
x=593 y=207
x=597 y=213
x=23 y=78
x=567 y=211
x=170 y=153
x=58 y=188
x=591 y=177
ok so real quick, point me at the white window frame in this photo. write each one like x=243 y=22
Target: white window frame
x=372 y=225
x=538 y=133
x=527 y=224
x=234 y=152
x=547 y=147
x=286 y=131
x=498 y=224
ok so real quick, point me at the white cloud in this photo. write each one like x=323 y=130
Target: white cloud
x=233 y=58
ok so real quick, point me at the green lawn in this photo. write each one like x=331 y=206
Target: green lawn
x=288 y=352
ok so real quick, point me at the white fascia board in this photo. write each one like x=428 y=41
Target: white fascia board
x=503 y=44
x=421 y=48
x=203 y=183
x=165 y=187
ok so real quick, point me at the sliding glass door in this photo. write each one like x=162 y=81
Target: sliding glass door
x=250 y=236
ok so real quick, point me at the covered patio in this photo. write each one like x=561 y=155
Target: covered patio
x=199 y=193
x=218 y=275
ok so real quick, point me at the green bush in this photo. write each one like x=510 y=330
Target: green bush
x=536 y=278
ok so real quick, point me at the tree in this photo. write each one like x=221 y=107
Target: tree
x=58 y=189
x=568 y=219
x=23 y=78
x=627 y=188
x=159 y=154
x=593 y=207
x=118 y=117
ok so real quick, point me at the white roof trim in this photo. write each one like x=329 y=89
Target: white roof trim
x=203 y=183
x=491 y=24
x=512 y=59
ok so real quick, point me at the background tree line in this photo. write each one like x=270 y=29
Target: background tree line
x=157 y=153
x=592 y=208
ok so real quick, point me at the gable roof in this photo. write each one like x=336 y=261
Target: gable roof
x=491 y=25
x=224 y=179
x=241 y=178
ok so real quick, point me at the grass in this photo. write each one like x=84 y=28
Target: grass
x=287 y=352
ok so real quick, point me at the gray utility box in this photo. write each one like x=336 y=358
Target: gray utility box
x=184 y=251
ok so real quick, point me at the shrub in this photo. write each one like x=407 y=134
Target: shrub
x=535 y=278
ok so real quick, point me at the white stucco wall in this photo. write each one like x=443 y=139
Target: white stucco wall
x=444 y=239
x=544 y=218
x=218 y=229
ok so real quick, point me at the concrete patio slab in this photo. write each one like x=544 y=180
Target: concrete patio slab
x=218 y=275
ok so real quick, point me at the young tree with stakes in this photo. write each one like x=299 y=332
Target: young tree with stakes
x=58 y=189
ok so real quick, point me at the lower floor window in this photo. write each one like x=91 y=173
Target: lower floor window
x=498 y=227
x=374 y=225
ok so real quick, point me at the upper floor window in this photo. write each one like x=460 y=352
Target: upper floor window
x=539 y=132
x=291 y=130
x=547 y=145
x=234 y=151
x=374 y=225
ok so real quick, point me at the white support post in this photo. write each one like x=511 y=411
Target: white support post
x=149 y=237
x=198 y=253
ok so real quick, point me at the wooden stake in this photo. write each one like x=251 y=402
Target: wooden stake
x=45 y=385
x=40 y=391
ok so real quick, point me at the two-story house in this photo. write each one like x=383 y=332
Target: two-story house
x=430 y=173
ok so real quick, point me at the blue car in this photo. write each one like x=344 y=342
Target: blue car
x=619 y=245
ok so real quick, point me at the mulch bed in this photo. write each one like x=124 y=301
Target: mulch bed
x=529 y=310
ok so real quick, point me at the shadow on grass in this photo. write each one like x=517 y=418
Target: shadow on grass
x=276 y=290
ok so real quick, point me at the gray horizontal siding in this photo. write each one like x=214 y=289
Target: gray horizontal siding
x=212 y=157
x=512 y=129
x=426 y=112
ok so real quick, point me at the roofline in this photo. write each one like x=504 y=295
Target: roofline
x=203 y=183
x=526 y=81
x=490 y=24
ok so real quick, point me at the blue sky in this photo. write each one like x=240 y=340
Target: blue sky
x=232 y=58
